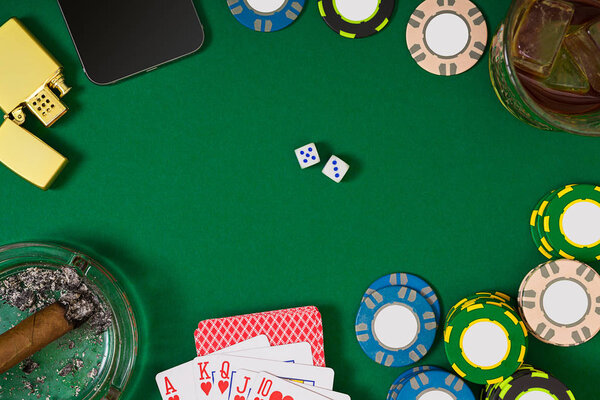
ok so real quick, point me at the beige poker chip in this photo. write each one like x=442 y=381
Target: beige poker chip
x=446 y=37
x=560 y=302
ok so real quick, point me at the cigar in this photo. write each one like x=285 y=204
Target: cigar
x=32 y=334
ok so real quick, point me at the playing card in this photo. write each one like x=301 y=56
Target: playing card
x=177 y=383
x=330 y=394
x=257 y=342
x=308 y=374
x=282 y=327
x=202 y=376
x=242 y=384
x=228 y=367
x=299 y=353
x=227 y=374
x=269 y=387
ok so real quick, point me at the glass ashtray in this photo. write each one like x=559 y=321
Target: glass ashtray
x=101 y=364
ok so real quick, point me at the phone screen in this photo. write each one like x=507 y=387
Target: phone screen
x=119 y=38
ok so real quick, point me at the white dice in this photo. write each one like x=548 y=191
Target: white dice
x=307 y=155
x=335 y=168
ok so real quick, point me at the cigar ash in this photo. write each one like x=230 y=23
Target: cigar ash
x=70 y=365
x=36 y=287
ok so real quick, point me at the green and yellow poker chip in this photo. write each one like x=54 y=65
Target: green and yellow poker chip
x=479 y=297
x=535 y=223
x=485 y=339
x=566 y=223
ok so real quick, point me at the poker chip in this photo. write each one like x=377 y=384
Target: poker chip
x=411 y=281
x=403 y=378
x=434 y=383
x=566 y=223
x=560 y=302
x=446 y=37
x=528 y=383
x=356 y=18
x=395 y=326
x=484 y=337
x=266 y=15
x=534 y=224
x=479 y=297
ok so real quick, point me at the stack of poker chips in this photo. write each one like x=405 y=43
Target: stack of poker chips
x=566 y=223
x=429 y=382
x=485 y=339
x=560 y=302
x=527 y=382
x=397 y=320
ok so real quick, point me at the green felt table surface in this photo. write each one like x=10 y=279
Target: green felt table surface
x=186 y=180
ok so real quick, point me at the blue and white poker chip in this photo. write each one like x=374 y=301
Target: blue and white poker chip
x=433 y=384
x=395 y=326
x=405 y=377
x=412 y=281
x=266 y=15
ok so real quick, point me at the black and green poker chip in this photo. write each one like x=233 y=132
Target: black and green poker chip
x=527 y=380
x=356 y=29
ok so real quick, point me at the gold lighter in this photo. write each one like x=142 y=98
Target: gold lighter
x=28 y=73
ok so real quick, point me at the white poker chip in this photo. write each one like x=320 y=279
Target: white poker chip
x=446 y=37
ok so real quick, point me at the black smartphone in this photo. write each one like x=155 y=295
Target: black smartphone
x=116 y=39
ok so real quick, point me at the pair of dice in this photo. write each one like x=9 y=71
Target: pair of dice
x=308 y=156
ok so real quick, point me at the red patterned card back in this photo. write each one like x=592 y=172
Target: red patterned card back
x=293 y=325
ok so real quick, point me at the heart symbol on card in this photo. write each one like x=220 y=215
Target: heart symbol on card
x=279 y=396
x=176 y=397
x=206 y=386
x=223 y=385
x=239 y=398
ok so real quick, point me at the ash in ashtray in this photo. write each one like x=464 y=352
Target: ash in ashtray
x=71 y=363
x=29 y=366
x=36 y=288
x=72 y=367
